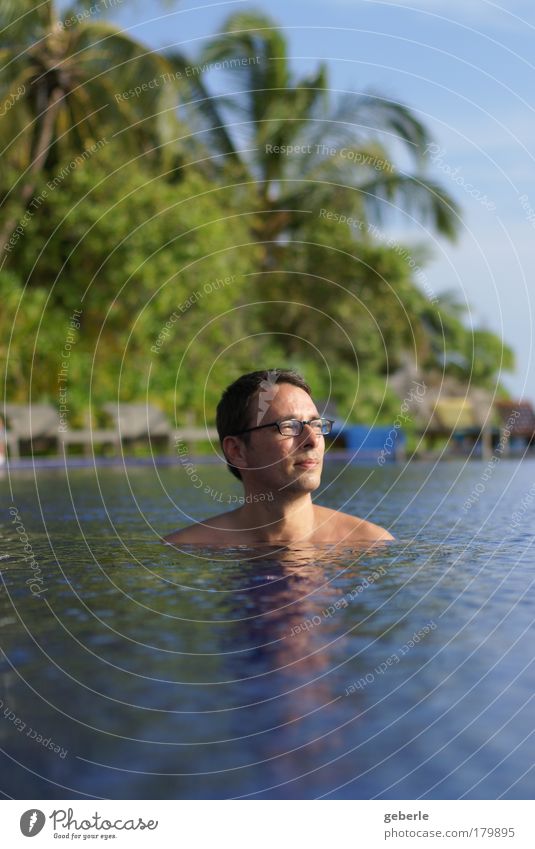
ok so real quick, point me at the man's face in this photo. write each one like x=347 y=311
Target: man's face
x=277 y=463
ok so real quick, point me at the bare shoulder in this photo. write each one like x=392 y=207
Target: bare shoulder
x=210 y=530
x=192 y=534
x=347 y=528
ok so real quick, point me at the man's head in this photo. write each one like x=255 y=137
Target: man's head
x=273 y=460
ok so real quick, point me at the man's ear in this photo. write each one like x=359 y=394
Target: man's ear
x=234 y=451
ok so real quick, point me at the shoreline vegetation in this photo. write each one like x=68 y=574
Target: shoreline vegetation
x=189 y=253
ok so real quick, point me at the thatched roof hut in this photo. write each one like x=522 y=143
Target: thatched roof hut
x=442 y=404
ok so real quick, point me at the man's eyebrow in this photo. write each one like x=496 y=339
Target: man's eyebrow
x=295 y=416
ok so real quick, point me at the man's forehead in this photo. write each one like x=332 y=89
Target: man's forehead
x=285 y=399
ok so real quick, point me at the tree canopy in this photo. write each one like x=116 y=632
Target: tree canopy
x=204 y=226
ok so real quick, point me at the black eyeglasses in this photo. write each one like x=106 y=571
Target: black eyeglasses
x=294 y=427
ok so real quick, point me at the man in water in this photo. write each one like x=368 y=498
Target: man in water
x=272 y=437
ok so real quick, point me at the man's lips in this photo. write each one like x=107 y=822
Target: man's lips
x=308 y=464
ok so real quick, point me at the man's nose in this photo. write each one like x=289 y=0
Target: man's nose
x=310 y=436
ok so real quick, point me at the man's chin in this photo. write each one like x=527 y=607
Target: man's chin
x=307 y=481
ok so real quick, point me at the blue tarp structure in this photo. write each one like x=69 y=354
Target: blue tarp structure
x=372 y=443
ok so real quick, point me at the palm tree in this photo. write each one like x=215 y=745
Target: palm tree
x=64 y=85
x=302 y=150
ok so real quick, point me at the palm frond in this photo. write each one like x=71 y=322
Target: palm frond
x=371 y=114
x=426 y=198
x=204 y=110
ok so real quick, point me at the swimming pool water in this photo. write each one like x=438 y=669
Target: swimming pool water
x=133 y=670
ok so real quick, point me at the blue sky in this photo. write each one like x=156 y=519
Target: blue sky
x=467 y=68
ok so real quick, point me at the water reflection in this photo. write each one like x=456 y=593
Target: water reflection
x=217 y=674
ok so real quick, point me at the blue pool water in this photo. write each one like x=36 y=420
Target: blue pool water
x=132 y=670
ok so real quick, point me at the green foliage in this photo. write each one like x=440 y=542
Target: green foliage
x=72 y=71
x=20 y=337
x=303 y=147
x=352 y=299
x=186 y=275
x=131 y=250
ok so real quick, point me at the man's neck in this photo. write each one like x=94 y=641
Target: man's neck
x=289 y=519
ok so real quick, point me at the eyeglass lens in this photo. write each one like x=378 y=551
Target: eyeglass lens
x=294 y=427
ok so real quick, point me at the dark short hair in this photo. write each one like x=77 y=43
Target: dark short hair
x=234 y=408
